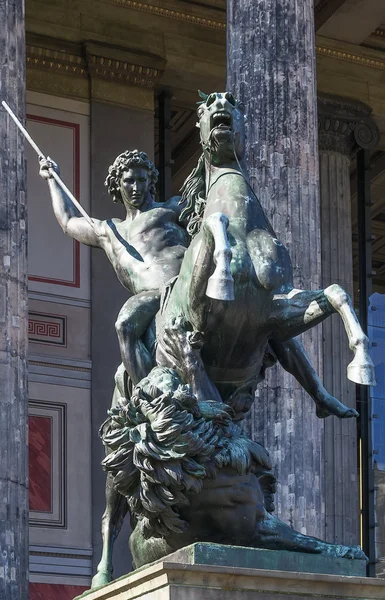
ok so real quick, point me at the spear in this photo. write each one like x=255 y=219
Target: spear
x=51 y=170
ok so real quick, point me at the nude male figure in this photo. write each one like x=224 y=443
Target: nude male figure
x=145 y=249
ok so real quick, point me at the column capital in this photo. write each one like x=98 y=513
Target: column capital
x=344 y=125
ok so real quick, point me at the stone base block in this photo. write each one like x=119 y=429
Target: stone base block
x=188 y=575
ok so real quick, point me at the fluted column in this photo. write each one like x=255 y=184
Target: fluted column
x=13 y=312
x=344 y=126
x=271 y=68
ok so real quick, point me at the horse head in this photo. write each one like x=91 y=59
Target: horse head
x=221 y=123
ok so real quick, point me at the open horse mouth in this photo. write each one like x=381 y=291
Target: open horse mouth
x=221 y=120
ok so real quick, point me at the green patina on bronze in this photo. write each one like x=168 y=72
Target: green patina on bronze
x=213 y=307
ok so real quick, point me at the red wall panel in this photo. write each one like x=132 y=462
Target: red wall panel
x=54 y=591
x=40 y=463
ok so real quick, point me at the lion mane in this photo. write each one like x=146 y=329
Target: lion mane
x=162 y=444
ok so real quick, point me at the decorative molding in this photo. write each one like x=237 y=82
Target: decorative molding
x=335 y=135
x=47 y=329
x=58 y=299
x=134 y=73
x=170 y=14
x=345 y=125
x=60 y=561
x=60 y=362
x=60 y=371
x=349 y=57
x=56 y=60
x=123 y=72
x=58 y=366
x=102 y=62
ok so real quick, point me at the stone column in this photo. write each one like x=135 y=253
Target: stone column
x=13 y=313
x=271 y=68
x=122 y=118
x=343 y=125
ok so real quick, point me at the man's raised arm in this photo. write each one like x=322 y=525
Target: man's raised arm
x=67 y=215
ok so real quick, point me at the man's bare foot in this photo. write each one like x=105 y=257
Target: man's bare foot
x=328 y=405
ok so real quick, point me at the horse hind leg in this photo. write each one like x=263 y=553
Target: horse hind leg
x=220 y=285
x=361 y=369
x=300 y=310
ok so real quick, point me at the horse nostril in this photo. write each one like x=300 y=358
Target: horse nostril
x=230 y=98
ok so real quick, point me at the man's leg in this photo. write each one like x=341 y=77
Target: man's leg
x=115 y=511
x=132 y=322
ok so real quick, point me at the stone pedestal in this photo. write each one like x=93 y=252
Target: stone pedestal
x=207 y=572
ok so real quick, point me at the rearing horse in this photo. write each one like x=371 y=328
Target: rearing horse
x=234 y=297
x=235 y=291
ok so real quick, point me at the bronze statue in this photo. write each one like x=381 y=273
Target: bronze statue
x=228 y=310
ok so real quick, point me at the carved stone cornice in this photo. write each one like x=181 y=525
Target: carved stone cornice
x=379 y=32
x=170 y=14
x=350 y=57
x=98 y=61
x=345 y=125
x=123 y=66
x=40 y=57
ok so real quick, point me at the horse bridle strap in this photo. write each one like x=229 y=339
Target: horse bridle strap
x=222 y=175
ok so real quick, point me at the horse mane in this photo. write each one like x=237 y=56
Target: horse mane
x=193 y=193
x=163 y=443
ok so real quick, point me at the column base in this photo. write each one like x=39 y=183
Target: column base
x=205 y=571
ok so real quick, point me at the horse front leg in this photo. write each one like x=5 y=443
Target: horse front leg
x=220 y=286
x=299 y=310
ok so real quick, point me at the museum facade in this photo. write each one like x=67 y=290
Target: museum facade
x=111 y=75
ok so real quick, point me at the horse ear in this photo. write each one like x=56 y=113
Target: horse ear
x=203 y=96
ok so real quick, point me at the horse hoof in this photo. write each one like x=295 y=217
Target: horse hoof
x=362 y=373
x=100 y=579
x=220 y=289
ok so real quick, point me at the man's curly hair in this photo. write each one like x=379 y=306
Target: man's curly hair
x=123 y=162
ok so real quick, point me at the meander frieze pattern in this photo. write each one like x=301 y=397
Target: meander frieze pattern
x=97 y=66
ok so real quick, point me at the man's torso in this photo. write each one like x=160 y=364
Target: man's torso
x=147 y=251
